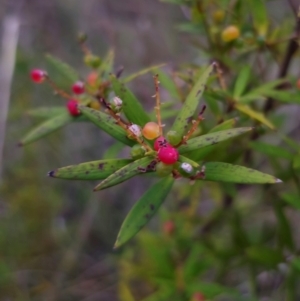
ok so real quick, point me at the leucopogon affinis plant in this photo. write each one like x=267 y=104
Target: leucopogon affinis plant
x=163 y=152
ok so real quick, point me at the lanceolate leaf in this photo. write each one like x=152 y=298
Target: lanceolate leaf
x=255 y=115
x=107 y=64
x=94 y=170
x=63 y=69
x=211 y=139
x=226 y=125
x=46 y=112
x=241 y=82
x=47 y=127
x=125 y=173
x=107 y=124
x=131 y=107
x=131 y=77
x=183 y=119
x=225 y=172
x=144 y=209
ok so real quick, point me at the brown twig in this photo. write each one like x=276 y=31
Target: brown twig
x=193 y=128
x=57 y=90
x=290 y=51
x=158 y=104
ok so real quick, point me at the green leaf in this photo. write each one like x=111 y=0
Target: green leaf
x=296 y=162
x=93 y=170
x=264 y=256
x=271 y=150
x=107 y=124
x=225 y=172
x=225 y=125
x=46 y=112
x=131 y=77
x=47 y=127
x=254 y=115
x=63 y=69
x=131 y=107
x=125 y=173
x=241 y=82
x=283 y=96
x=260 y=16
x=183 y=119
x=106 y=66
x=211 y=139
x=143 y=210
x=261 y=91
x=292 y=199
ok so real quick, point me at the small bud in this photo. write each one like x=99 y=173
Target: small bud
x=163 y=170
x=116 y=104
x=92 y=61
x=137 y=151
x=173 y=137
x=186 y=169
x=136 y=130
x=82 y=37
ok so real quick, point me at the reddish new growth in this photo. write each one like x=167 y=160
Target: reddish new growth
x=38 y=75
x=72 y=106
x=78 y=88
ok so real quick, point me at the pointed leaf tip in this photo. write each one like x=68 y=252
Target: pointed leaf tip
x=51 y=173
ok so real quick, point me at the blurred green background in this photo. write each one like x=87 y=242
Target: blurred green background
x=43 y=221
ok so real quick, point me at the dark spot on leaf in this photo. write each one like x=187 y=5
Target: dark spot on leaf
x=208 y=139
x=101 y=165
x=152 y=207
x=87 y=172
x=147 y=216
x=198 y=92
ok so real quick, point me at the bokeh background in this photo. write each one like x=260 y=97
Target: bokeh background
x=45 y=223
x=56 y=236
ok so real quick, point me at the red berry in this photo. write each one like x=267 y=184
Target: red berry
x=78 y=87
x=159 y=142
x=168 y=154
x=198 y=297
x=38 y=76
x=169 y=227
x=72 y=107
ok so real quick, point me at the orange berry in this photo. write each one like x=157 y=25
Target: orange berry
x=218 y=16
x=230 y=33
x=92 y=78
x=151 y=130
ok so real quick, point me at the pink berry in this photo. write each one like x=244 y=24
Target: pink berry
x=169 y=227
x=168 y=154
x=159 y=142
x=38 y=75
x=72 y=107
x=78 y=87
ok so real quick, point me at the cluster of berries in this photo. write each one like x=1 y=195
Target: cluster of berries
x=166 y=153
x=39 y=76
